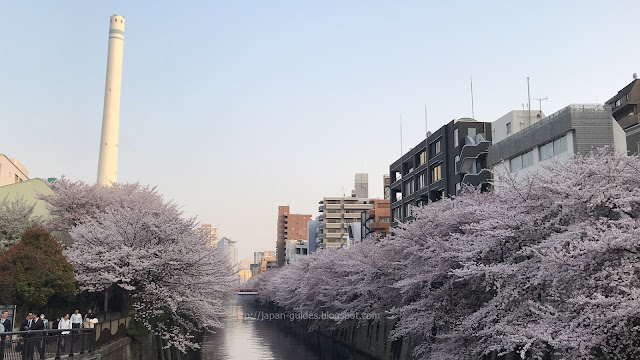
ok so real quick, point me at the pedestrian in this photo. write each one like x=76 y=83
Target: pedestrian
x=8 y=327
x=64 y=324
x=36 y=325
x=90 y=320
x=76 y=320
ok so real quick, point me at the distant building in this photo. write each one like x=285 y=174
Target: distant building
x=379 y=219
x=257 y=256
x=295 y=249
x=361 y=187
x=314 y=232
x=290 y=227
x=576 y=129
x=244 y=271
x=386 y=181
x=438 y=166
x=228 y=248
x=267 y=263
x=12 y=171
x=212 y=234
x=625 y=106
x=336 y=215
x=255 y=269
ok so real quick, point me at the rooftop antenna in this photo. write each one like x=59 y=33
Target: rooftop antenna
x=426 y=125
x=540 y=100
x=529 y=97
x=401 y=138
x=473 y=116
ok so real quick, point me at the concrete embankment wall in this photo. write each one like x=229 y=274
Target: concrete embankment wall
x=370 y=339
x=148 y=349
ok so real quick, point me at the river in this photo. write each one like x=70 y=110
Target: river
x=245 y=337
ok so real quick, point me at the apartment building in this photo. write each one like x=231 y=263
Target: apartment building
x=290 y=227
x=337 y=213
x=438 y=166
x=12 y=171
x=576 y=129
x=624 y=106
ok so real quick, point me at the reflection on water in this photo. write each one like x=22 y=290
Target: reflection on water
x=246 y=338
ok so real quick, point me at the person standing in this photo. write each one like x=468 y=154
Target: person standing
x=37 y=324
x=8 y=327
x=64 y=324
x=76 y=320
x=89 y=319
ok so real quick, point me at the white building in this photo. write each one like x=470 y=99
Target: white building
x=294 y=249
x=576 y=129
x=361 y=187
x=337 y=213
x=12 y=171
x=229 y=250
x=212 y=234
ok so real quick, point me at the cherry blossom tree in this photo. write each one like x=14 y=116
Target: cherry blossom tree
x=16 y=215
x=128 y=236
x=547 y=264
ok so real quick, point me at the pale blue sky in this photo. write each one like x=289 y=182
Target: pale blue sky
x=233 y=108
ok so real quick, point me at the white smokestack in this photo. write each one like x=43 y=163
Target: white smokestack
x=108 y=163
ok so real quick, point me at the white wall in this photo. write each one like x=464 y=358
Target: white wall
x=501 y=170
x=517 y=118
x=9 y=168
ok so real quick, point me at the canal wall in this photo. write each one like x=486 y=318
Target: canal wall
x=147 y=347
x=370 y=339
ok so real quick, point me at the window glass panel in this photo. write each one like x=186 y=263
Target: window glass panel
x=508 y=128
x=516 y=163
x=527 y=159
x=546 y=151
x=560 y=145
x=455 y=138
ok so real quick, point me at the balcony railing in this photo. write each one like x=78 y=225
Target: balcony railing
x=46 y=344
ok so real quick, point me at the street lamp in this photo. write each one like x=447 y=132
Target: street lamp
x=106 y=299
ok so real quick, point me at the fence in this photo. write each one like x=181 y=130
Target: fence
x=111 y=330
x=45 y=344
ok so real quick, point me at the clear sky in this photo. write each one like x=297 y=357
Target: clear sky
x=233 y=108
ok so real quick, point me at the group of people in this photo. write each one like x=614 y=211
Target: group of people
x=38 y=321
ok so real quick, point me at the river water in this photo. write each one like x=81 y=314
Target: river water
x=246 y=337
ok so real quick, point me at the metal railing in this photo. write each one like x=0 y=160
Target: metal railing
x=45 y=344
x=111 y=330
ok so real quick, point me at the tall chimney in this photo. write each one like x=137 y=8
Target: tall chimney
x=108 y=162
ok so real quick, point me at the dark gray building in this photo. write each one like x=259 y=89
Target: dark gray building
x=625 y=110
x=438 y=166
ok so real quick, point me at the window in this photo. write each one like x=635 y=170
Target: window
x=509 y=128
x=422 y=180
x=17 y=178
x=527 y=159
x=436 y=173
x=618 y=102
x=407 y=210
x=385 y=219
x=553 y=148
x=423 y=157
x=437 y=147
x=397 y=214
x=408 y=187
x=522 y=161
x=516 y=163
x=455 y=138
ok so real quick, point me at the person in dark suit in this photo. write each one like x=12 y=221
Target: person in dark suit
x=24 y=343
x=38 y=324
x=26 y=324
x=8 y=327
